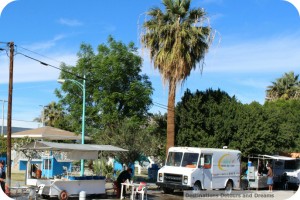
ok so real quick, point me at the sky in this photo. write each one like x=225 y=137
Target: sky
x=256 y=42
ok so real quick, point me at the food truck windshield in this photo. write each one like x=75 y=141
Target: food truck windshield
x=182 y=159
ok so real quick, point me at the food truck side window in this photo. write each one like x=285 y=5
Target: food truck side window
x=207 y=161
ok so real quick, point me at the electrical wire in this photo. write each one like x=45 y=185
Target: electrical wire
x=41 y=62
x=46 y=64
x=39 y=54
x=161 y=104
x=163 y=107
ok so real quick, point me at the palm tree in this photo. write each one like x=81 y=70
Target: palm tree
x=177 y=41
x=286 y=87
x=52 y=113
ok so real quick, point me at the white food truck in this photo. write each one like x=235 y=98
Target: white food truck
x=200 y=168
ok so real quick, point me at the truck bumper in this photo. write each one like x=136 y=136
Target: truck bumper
x=174 y=186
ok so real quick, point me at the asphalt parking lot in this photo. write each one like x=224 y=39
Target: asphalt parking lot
x=217 y=195
x=155 y=194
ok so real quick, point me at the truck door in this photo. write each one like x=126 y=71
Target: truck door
x=207 y=169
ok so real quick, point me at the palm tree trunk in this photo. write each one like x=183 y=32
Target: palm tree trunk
x=171 y=116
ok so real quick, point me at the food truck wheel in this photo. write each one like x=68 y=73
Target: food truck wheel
x=168 y=190
x=228 y=188
x=45 y=196
x=63 y=195
x=197 y=186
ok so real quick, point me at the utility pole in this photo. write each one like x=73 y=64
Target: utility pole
x=9 y=111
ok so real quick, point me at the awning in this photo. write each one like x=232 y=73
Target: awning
x=277 y=157
x=73 y=151
x=48 y=133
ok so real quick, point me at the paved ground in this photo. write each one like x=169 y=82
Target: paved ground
x=211 y=195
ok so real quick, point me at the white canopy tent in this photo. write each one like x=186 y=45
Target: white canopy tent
x=277 y=157
x=48 y=133
x=73 y=151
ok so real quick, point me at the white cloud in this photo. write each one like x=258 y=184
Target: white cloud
x=278 y=54
x=70 y=22
x=41 y=46
x=254 y=83
x=27 y=70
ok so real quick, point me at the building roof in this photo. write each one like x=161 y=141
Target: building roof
x=48 y=133
x=19 y=125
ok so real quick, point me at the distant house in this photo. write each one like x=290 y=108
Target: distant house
x=19 y=160
x=19 y=125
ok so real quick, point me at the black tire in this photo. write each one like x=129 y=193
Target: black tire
x=197 y=186
x=228 y=187
x=45 y=196
x=168 y=190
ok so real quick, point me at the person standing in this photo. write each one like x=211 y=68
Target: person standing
x=2 y=175
x=270 y=178
x=126 y=174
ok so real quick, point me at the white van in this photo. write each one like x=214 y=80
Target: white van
x=200 y=168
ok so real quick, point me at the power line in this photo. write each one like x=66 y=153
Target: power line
x=161 y=104
x=163 y=107
x=39 y=54
x=41 y=62
x=46 y=64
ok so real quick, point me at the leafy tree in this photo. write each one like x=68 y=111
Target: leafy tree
x=283 y=120
x=117 y=95
x=3 y=145
x=177 y=41
x=252 y=135
x=53 y=114
x=214 y=119
x=286 y=87
x=158 y=126
x=114 y=87
x=135 y=136
x=206 y=119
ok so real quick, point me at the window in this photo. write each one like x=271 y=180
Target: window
x=47 y=164
x=174 y=159
x=207 y=161
x=190 y=160
x=290 y=164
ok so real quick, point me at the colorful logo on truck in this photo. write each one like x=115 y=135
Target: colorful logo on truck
x=226 y=161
